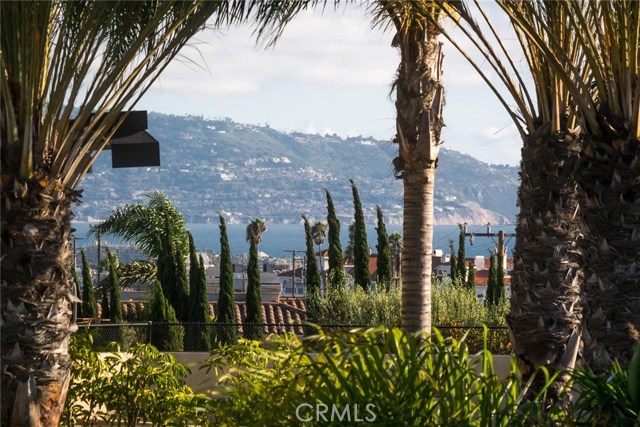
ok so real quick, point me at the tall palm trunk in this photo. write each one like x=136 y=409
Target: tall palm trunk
x=610 y=182
x=419 y=102
x=36 y=223
x=546 y=311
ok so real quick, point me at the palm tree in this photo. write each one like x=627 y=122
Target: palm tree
x=67 y=71
x=574 y=277
x=318 y=232
x=419 y=103
x=158 y=230
x=254 y=295
x=143 y=224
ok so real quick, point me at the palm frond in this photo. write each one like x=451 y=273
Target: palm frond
x=142 y=224
x=137 y=272
x=92 y=59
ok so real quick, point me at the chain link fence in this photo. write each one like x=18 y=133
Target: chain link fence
x=199 y=337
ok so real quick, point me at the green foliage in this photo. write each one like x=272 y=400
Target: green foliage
x=181 y=303
x=453 y=262
x=634 y=377
x=89 y=307
x=336 y=263
x=253 y=381
x=458 y=306
x=194 y=269
x=495 y=288
x=254 y=294
x=142 y=224
x=129 y=389
x=395 y=243
x=197 y=337
x=226 y=300
x=115 y=306
x=499 y=296
x=167 y=273
x=351 y=305
x=405 y=379
x=165 y=337
x=383 y=262
x=360 y=244
x=606 y=400
x=462 y=256
x=471 y=276
x=312 y=274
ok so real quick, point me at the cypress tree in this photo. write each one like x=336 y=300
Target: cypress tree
x=226 y=298
x=471 y=277
x=336 y=263
x=462 y=256
x=454 y=264
x=115 y=307
x=383 y=262
x=312 y=274
x=167 y=265
x=348 y=251
x=194 y=266
x=198 y=335
x=104 y=301
x=395 y=241
x=89 y=307
x=164 y=337
x=254 y=295
x=499 y=279
x=492 y=292
x=360 y=245
x=181 y=304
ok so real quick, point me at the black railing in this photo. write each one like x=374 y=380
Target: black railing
x=207 y=336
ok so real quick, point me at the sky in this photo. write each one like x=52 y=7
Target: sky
x=329 y=73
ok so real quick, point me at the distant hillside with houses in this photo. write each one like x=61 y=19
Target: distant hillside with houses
x=248 y=171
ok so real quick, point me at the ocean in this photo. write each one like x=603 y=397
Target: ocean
x=281 y=237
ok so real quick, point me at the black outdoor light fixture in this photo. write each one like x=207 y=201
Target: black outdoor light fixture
x=131 y=145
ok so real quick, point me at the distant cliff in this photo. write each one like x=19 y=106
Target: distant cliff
x=249 y=171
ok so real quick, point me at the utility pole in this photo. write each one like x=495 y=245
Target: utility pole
x=293 y=276
x=500 y=235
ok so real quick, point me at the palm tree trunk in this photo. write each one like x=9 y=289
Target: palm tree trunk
x=419 y=102
x=416 y=253
x=36 y=302
x=546 y=309
x=610 y=193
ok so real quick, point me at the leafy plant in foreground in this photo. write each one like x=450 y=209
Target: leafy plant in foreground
x=128 y=389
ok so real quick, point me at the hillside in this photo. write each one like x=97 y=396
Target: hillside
x=251 y=171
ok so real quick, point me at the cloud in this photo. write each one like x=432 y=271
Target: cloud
x=337 y=49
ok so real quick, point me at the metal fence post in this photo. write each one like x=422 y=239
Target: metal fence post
x=150 y=327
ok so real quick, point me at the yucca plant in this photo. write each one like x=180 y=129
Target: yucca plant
x=381 y=376
x=611 y=398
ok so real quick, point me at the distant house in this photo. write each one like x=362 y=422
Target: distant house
x=270 y=285
x=441 y=266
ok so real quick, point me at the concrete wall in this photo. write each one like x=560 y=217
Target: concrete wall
x=201 y=382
